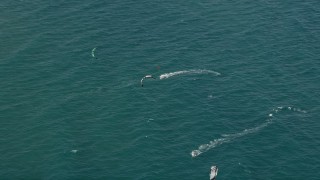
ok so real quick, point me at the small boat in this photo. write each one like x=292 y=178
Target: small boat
x=214 y=172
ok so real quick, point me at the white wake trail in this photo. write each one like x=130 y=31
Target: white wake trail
x=230 y=137
x=225 y=139
x=194 y=71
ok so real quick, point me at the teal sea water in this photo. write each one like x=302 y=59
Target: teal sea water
x=237 y=86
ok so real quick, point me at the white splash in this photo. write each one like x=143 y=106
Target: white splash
x=230 y=137
x=196 y=71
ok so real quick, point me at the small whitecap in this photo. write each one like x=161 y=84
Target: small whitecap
x=270 y=115
x=150 y=119
x=74 y=151
x=225 y=135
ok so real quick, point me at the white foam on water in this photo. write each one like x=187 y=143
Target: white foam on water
x=74 y=151
x=196 y=71
x=290 y=108
x=225 y=139
x=231 y=137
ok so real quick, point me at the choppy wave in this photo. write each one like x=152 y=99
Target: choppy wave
x=230 y=137
x=194 y=71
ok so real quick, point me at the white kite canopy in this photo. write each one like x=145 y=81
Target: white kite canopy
x=92 y=52
x=147 y=76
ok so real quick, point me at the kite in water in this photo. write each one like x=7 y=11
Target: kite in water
x=147 y=76
x=92 y=52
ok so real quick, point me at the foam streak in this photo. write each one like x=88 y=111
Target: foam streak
x=197 y=71
x=230 y=137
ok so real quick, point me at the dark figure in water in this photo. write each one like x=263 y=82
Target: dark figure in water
x=147 y=76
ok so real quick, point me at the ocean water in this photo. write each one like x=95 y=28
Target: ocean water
x=237 y=85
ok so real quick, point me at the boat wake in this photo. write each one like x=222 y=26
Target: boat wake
x=196 y=71
x=230 y=137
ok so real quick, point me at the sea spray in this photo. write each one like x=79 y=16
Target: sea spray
x=230 y=137
x=196 y=71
